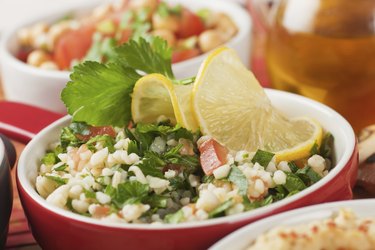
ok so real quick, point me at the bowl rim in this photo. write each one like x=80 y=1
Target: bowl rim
x=309 y=211
x=231 y=8
x=347 y=154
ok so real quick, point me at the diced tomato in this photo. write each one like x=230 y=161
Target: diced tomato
x=182 y=55
x=125 y=35
x=190 y=24
x=100 y=211
x=213 y=155
x=73 y=45
x=94 y=131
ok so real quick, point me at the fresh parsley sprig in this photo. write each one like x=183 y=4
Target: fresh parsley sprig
x=148 y=57
x=100 y=93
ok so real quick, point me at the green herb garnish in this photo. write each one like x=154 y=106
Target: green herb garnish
x=293 y=182
x=262 y=157
x=130 y=192
x=218 y=211
x=308 y=175
x=49 y=159
x=239 y=179
x=61 y=168
x=174 y=218
x=59 y=180
x=314 y=149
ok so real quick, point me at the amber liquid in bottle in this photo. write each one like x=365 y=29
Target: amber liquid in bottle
x=333 y=61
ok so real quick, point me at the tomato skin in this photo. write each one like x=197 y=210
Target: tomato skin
x=73 y=45
x=100 y=211
x=125 y=36
x=213 y=155
x=94 y=131
x=182 y=55
x=190 y=25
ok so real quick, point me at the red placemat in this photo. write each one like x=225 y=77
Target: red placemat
x=19 y=235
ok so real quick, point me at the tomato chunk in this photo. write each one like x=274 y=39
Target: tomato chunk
x=182 y=55
x=213 y=155
x=73 y=45
x=190 y=24
x=94 y=131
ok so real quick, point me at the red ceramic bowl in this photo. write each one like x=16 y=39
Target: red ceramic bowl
x=55 y=228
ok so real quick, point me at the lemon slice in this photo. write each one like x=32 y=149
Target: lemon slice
x=155 y=96
x=231 y=106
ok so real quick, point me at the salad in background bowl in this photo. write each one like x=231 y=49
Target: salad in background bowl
x=144 y=151
x=43 y=86
x=92 y=37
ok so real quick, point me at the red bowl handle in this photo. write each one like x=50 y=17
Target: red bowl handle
x=22 y=122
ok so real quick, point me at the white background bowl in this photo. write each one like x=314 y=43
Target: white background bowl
x=39 y=87
x=335 y=186
x=242 y=238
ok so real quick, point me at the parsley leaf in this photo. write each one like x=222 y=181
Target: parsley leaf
x=59 y=180
x=89 y=194
x=133 y=148
x=148 y=57
x=108 y=142
x=221 y=209
x=293 y=182
x=130 y=192
x=256 y=204
x=152 y=165
x=314 y=149
x=293 y=167
x=49 y=158
x=308 y=175
x=99 y=94
x=155 y=200
x=68 y=138
x=262 y=157
x=80 y=128
x=61 y=168
x=174 y=218
x=239 y=179
x=326 y=148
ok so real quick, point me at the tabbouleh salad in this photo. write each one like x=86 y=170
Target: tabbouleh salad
x=151 y=173
x=107 y=167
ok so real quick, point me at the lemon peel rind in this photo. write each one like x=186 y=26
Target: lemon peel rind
x=303 y=150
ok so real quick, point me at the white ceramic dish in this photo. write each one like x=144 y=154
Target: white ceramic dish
x=34 y=86
x=45 y=218
x=243 y=237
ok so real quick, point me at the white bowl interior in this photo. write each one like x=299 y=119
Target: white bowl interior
x=242 y=238
x=292 y=105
